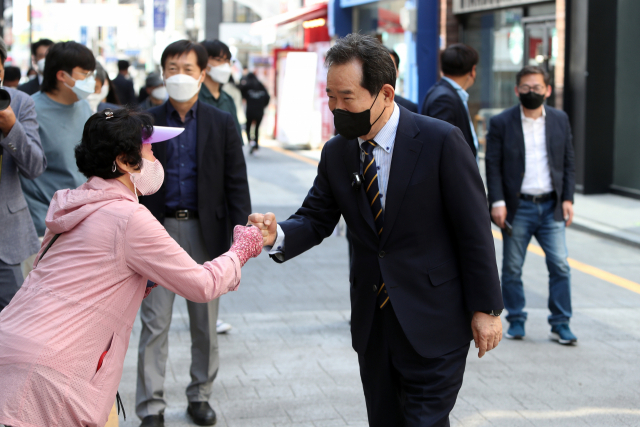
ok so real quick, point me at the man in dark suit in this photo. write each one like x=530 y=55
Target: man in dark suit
x=448 y=99
x=205 y=192
x=38 y=54
x=424 y=280
x=531 y=181
x=403 y=102
x=124 y=85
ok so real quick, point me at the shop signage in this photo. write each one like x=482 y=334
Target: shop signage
x=466 y=6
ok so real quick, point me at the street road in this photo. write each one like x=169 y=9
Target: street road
x=288 y=360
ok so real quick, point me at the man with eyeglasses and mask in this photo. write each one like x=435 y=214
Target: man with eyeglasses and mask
x=205 y=192
x=62 y=111
x=531 y=182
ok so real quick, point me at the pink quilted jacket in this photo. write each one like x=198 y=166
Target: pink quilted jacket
x=82 y=299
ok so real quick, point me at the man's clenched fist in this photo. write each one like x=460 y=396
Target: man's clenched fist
x=267 y=224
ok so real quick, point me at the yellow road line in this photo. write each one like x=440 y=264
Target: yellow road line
x=586 y=268
x=580 y=266
x=293 y=155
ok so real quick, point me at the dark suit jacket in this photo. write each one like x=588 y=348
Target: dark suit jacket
x=436 y=252
x=125 y=91
x=505 y=158
x=223 y=188
x=443 y=102
x=30 y=87
x=404 y=102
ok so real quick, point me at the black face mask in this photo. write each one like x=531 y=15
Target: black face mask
x=352 y=125
x=531 y=100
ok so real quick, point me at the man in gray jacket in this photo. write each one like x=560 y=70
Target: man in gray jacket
x=20 y=154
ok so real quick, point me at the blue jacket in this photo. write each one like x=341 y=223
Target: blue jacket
x=22 y=155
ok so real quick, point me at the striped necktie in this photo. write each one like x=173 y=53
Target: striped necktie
x=373 y=195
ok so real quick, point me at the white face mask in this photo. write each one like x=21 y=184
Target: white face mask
x=83 y=88
x=150 y=178
x=96 y=98
x=40 y=66
x=182 y=87
x=220 y=73
x=160 y=93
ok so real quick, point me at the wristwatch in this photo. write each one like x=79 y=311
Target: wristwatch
x=494 y=313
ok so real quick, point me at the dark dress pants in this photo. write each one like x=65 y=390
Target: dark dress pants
x=253 y=121
x=402 y=388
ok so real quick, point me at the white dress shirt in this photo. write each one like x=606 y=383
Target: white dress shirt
x=537 y=175
x=383 y=154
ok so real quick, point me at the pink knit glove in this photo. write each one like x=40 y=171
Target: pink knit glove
x=247 y=242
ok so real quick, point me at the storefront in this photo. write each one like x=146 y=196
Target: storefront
x=506 y=40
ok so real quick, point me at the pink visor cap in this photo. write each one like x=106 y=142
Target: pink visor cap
x=162 y=133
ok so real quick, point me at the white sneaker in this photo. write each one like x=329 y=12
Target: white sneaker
x=222 y=327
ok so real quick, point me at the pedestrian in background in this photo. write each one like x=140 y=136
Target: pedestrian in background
x=62 y=111
x=448 y=99
x=257 y=98
x=105 y=95
x=124 y=85
x=419 y=292
x=205 y=192
x=12 y=76
x=38 y=54
x=409 y=105
x=64 y=336
x=21 y=155
x=218 y=73
x=531 y=182
x=155 y=90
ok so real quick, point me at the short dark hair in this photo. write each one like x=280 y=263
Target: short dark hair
x=12 y=73
x=216 y=49
x=123 y=65
x=377 y=66
x=41 y=42
x=533 y=69
x=395 y=56
x=105 y=138
x=182 y=47
x=458 y=59
x=65 y=56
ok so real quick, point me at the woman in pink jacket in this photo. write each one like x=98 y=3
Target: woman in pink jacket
x=64 y=335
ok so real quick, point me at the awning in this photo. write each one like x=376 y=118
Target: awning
x=306 y=13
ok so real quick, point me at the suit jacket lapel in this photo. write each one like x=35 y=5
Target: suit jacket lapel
x=202 y=126
x=548 y=122
x=160 y=148
x=406 y=151
x=352 y=163
x=518 y=132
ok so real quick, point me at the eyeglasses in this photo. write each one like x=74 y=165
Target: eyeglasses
x=539 y=89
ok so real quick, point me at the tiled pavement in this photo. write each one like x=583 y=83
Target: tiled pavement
x=288 y=361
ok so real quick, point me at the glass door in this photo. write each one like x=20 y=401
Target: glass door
x=540 y=46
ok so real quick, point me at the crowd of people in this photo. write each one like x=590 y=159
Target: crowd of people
x=117 y=201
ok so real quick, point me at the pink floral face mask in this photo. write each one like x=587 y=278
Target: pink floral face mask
x=149 y=179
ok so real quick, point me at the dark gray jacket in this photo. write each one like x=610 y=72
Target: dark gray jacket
x=22 y=155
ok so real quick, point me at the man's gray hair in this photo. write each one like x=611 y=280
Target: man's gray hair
x=378 y=68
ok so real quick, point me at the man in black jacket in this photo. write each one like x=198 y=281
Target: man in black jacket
x=531 y=181
x=424 y=280
x=205 y=193
x=404 y=102
x=38 y=54
x=448 y=99
x=124 y=85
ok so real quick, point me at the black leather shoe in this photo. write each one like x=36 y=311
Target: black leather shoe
x=153 y=421
x=202 y=413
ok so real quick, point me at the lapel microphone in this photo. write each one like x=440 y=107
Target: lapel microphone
x=356 y=181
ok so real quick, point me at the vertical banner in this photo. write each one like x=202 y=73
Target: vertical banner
x=159 y=14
